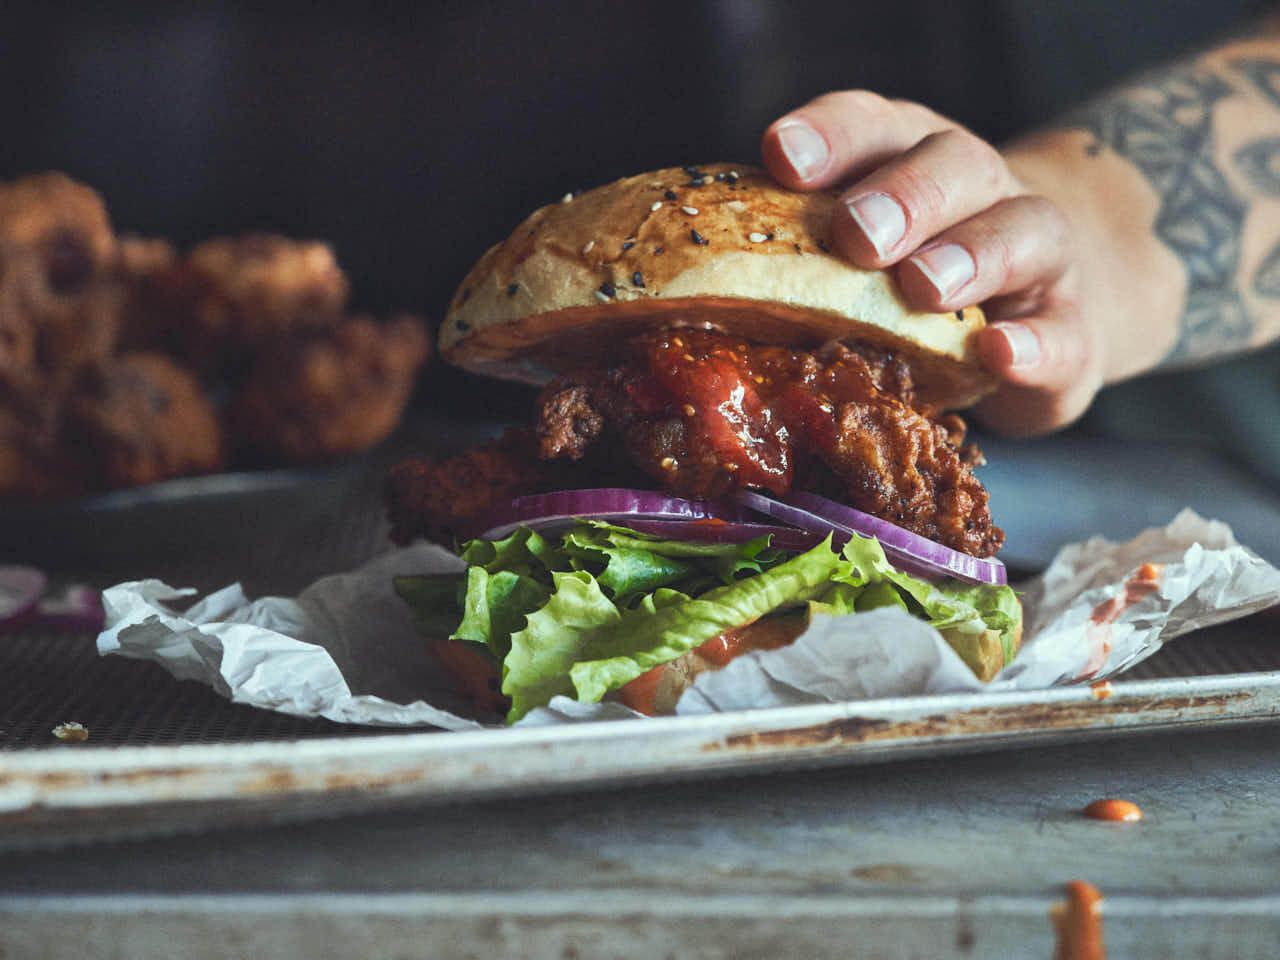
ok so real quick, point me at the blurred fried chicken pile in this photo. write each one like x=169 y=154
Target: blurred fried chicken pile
x=123 y=362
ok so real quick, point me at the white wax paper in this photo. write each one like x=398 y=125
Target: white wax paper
x=346 y=648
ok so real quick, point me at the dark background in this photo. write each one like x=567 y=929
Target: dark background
x=412 y=136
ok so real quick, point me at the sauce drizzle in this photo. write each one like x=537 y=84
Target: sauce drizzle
x=1078 y=922
x=1118 y=811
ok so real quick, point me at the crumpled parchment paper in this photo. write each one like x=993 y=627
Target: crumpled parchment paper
x=346 y=649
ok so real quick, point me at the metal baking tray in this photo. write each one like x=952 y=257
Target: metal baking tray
x=165 y=756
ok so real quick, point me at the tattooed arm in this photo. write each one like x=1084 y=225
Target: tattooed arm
x=1141 y=232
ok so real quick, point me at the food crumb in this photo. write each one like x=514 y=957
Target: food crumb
x=71 y=732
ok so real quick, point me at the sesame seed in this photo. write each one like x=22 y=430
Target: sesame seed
x=769 y=237
x=756 y=237
x=677 y=341
x=465 y=295
x=700 y=181
x=797 y=246
x=608 y=290
x=737 y=206
x=731 y=467
x=959 y=314
x=721 y=176
x=637 y=279
x=826 y=407
x=689 y=357
x=758 y=379
x=697 y=238
x=691 y=171
x=822 y=245
x=691 y=211
x=462 y=325
x=732 y=176
x=602 y=297
x=742 y=347
x=655 y=206
x=587 y=247
x=668 y=463
x=567 y=197
x=512 y=289
x=671 y=195
x=657 y=251
x=689 y=411
x=627 y=245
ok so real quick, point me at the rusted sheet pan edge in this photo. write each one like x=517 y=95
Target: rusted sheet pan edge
x=436 y=766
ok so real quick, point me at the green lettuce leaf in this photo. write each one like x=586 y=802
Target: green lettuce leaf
x=587 y=612
x=537 y=668
x=651 y=635
x=433 y=601
x=495 y=607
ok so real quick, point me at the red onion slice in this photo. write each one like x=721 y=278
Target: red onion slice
x=559 y=510
x=76 y=608
x=20 y=590
x=907 y=551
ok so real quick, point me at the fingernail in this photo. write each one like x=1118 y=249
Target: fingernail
x=1024 y=345
x=804 y=148
x=948 y=266
x=881 y=220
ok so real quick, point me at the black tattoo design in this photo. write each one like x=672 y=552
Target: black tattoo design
x=1266 y=282
x=1263 y=74
x=1164 y=126
x=1260 y=163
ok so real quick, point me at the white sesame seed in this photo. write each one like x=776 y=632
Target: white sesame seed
x=755 y=237
x=737 y=206
x=657 y=205
x=566 y=198
x=601 y=296
x=586 y=247
x=734 y=174
x=691 y=211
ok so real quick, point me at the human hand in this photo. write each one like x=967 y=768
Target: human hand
x=946 y=211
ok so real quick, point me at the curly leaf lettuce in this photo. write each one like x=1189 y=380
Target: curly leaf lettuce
x=587 y=612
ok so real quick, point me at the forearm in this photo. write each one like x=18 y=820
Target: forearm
x=1172 y=185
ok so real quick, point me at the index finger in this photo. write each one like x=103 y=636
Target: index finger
x=840 y=136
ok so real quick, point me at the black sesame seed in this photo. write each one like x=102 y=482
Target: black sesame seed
x=697 y=182
x=462 y=325
x=797 y=246
x=637 y=279
x=691 y=171
x=512 y=288
x=959 y=314
x=822 y=245
x=697 y=238
x=608 y=289
x=628 y=244
x=768 y=237
x=465 y=296
x=722 y=176
x=671 y=195
x=657 y=251
x=731 y=176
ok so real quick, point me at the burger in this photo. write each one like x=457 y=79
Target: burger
x=736 y=431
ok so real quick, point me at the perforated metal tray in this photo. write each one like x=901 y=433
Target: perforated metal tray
x=166 y=756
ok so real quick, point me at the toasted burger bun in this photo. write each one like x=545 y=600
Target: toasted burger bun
x=732 y=250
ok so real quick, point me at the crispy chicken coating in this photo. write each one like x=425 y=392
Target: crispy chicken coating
x=322 y=395
x=700 y=414
x=141 y=418
x=58 y=307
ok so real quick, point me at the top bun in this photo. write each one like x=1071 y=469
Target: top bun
x=719 y=245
